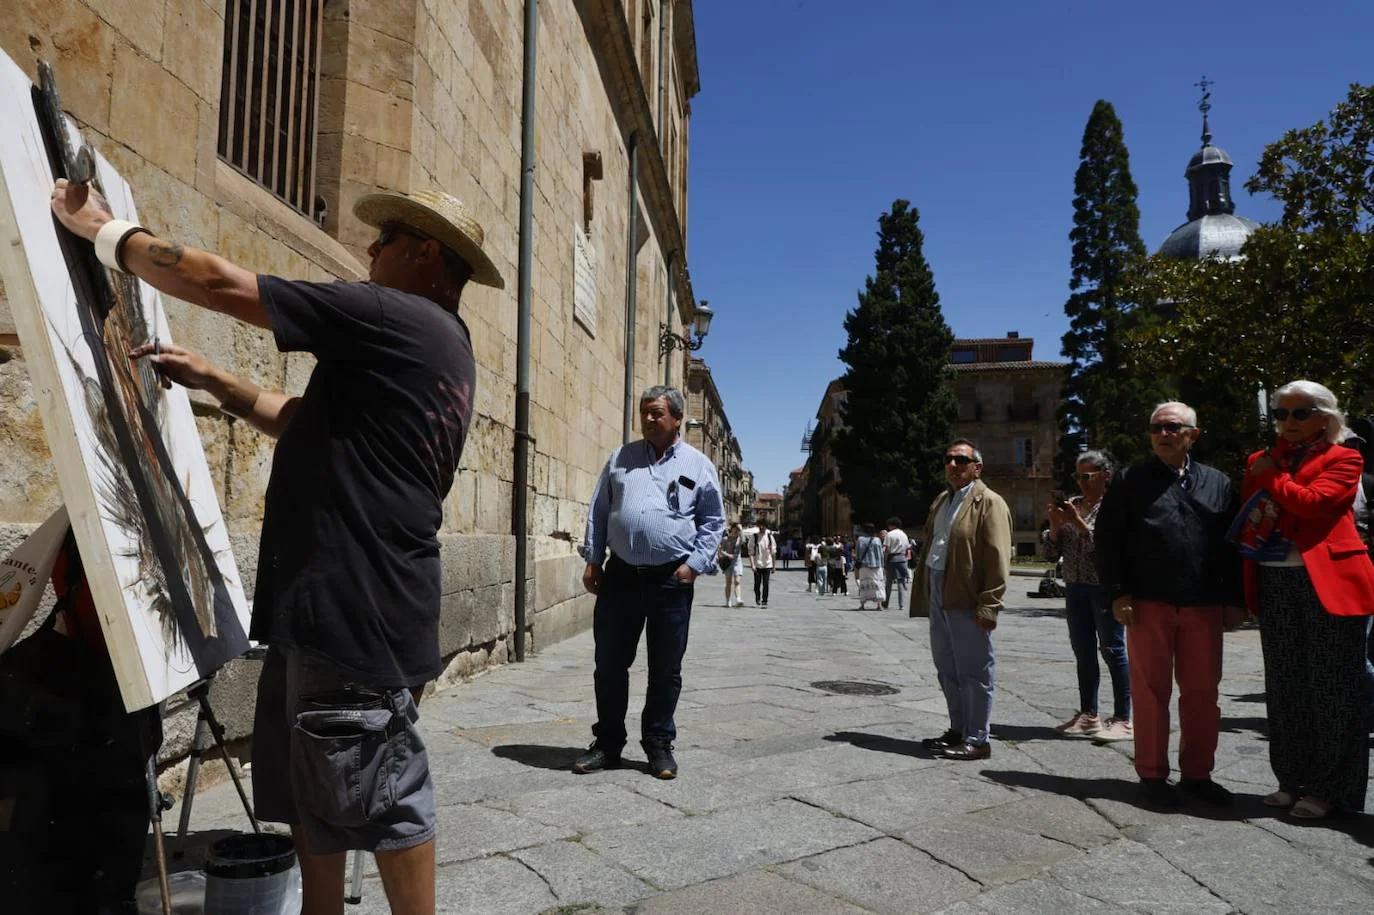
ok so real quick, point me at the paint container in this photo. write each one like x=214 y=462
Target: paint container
x=252 y=875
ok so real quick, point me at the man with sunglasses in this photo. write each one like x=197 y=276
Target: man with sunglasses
x=348 y=580
x=1175 y=584
x=961 y=577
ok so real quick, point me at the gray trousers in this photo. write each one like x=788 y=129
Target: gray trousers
x=897 y=578
x=965 y=663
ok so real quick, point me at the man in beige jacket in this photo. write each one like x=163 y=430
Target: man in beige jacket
x=961 y=577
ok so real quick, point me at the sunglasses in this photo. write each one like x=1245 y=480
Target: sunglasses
x=1085 y=477
x=1171 y=427
x=1301 y=414
x=392 y=231
x=963 y=460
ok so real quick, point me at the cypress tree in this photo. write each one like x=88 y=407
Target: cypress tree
x=1105 y=404
x=900 y=406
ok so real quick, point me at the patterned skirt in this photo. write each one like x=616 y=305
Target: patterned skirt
x=1314 y=666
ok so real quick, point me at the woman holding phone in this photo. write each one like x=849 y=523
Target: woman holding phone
x=1092 y=628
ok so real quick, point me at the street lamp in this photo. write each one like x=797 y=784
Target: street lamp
x=701 y=325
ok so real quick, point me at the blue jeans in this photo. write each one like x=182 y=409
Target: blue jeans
x=1092 y=628
x=965 y=663
x=821 y=572
x=634 y=600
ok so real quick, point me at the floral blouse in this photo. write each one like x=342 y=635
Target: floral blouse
x=1076 y=546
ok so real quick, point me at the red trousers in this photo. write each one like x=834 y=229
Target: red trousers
x=1164 y=642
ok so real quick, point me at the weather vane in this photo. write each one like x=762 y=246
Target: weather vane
x=1205 y=106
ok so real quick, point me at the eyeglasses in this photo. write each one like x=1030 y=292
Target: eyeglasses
x=391 y=231
x=1171 y=428
x=1085 y=477
x=963 y=460
x=1301 y=414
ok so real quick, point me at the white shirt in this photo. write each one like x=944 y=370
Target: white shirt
x=765 y=550
x=896 y=544
x=939 y=538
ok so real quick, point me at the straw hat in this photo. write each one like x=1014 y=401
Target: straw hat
x=442 y=217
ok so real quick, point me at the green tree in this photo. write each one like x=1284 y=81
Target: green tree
x=900 y=408
x=1299 y=303
x=1103 y=399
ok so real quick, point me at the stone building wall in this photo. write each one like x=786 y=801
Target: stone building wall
x=413 y=94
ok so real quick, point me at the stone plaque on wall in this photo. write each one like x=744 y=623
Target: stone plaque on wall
x=584 y=281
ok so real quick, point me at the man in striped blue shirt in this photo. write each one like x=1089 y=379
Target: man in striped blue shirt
x=657 y=507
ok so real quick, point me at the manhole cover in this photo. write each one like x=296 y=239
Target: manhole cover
x=855 y=688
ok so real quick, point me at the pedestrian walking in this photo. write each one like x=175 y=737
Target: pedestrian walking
x=897 y=547
x=1309 y=578
x=348 y=586
x=1174 y=583
x=822 y=566
x=839 y=580
x=730 y=558
x=964 y=565
x=762 y=558
x=1092 y=628
x=868 y=565
x=809 y=559
x=657 y=509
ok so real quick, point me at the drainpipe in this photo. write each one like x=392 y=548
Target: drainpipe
x=520 y=489
x=668 y=320
x=631 y=252
x=665 y=10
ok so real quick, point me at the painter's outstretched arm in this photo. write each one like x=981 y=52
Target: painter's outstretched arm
x=195 y=276
x=267 y=411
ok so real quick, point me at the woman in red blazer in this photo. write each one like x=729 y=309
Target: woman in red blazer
x=1310 y=581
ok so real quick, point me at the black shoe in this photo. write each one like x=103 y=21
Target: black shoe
x=968 y=751
x=661 y=762
x=1157 y=792
x=597 y=758
x=950 y=738
x=1207 y=791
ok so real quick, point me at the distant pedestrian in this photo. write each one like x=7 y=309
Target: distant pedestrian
x=1092 y=628
x=657 y=508
x=822 y=565
x=964 y=565
x=1175 y=583
x=730 y=558
x=897 y=547
x=1309 y=579
x=868 y=567
x=836 y=574
x=809 y=559
x=762 y=558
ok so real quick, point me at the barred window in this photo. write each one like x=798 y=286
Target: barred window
x=269 y=96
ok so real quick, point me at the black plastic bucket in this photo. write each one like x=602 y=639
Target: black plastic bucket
x=252 y=875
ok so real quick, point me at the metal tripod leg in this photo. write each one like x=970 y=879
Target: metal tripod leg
x=355 y=881
x=207 y=722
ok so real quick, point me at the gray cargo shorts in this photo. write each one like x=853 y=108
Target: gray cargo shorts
x=341 y=760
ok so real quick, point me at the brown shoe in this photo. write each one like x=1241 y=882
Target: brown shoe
x=967 y=751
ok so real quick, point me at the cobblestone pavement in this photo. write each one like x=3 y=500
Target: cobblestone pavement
x=796 y=800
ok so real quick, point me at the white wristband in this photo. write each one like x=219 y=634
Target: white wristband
x=108 y=240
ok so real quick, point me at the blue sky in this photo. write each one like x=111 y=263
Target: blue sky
x=814 y=116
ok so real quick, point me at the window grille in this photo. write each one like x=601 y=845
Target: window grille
x=269 y=96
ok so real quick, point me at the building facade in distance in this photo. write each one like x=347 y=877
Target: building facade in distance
x=1008 y=403
x=708 y=430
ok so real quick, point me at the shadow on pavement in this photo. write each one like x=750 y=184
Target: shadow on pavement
x=1125 y=791
x=538 y=756
x=1018 y=732
x=882 y=744
x=1249 y=697
x=1258 y=724
x=1036 y=611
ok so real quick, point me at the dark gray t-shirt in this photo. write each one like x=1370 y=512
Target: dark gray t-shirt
x=348 y=566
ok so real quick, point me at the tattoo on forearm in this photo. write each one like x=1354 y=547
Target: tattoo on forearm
x=165 y=255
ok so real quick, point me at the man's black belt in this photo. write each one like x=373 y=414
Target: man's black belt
x=670 y=566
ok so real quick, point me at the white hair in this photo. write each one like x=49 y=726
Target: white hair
x=1189 y=414
x=1322 y=400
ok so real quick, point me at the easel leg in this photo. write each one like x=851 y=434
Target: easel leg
x=355 y=882
x=207 y=714
x=188 y=792
x=158 y=802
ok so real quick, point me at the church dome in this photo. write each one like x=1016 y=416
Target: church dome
x=1220 y=234
x=1213 y=228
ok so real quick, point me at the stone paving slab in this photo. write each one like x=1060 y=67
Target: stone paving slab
x=794 y=800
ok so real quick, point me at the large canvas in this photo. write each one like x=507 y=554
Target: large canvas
x=127 y=453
